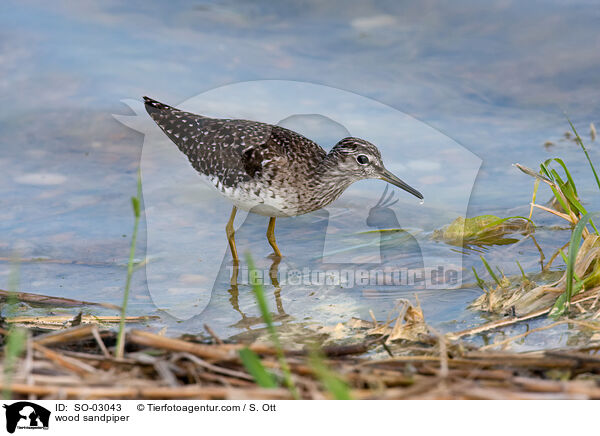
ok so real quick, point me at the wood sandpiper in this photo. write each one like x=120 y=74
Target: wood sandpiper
x=267 y=169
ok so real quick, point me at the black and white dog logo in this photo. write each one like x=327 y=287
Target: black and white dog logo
x=26 y=415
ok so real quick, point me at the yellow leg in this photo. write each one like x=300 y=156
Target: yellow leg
x=231 y=234
x=271 y=237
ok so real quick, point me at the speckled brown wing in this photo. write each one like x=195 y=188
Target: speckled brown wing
x=234 y=151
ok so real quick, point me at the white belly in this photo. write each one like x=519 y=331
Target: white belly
x=262 y=201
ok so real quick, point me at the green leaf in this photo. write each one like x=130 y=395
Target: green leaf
x=580 y=142
x=16 y=342
x=253 y=365
x=480 y=282
x=561 y=304
x=560 y=199
x=332 y=383
x=544 y=169
x=482 y=230
x=490 y=270
x=259 y=294
x=136 y=206
x=536 y=186
x=522 y=272
x=258 y=290
x=568 y=174
x=135 y=201
x=567 y=189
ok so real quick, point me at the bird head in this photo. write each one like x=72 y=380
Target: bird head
x=359 y=159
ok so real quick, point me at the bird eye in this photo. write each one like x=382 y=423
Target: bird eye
x=362 y=159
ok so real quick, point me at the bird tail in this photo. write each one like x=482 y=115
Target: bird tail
x=154 y=106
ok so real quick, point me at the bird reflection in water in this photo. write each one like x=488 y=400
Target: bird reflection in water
x=248 y=321
x=395 y=244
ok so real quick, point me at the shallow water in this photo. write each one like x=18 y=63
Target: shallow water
x=484 y=85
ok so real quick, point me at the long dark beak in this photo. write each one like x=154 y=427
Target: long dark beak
x=390 y=178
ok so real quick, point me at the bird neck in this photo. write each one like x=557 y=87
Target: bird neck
x=327 y=183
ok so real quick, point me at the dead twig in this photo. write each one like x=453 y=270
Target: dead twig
x=53 y=301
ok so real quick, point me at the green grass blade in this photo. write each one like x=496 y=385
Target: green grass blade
x=580 y=142
x=565 y=187
x=568 y=191
x=136 y=204
x=259 y=294
x=567 y=173
x=522 y=272
x=490 y=270
x=536 y=186
x=332 y=383
x=500 y=271
x=562 y=304
x=564 y=256
x=544 y=169
x=253 y=365
x=15 y=344
x=561 y=200
x=550 y=175
x=16 y=338
x=268 y=319
x=480 y=282
x=570 y=195
x=578 y=281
